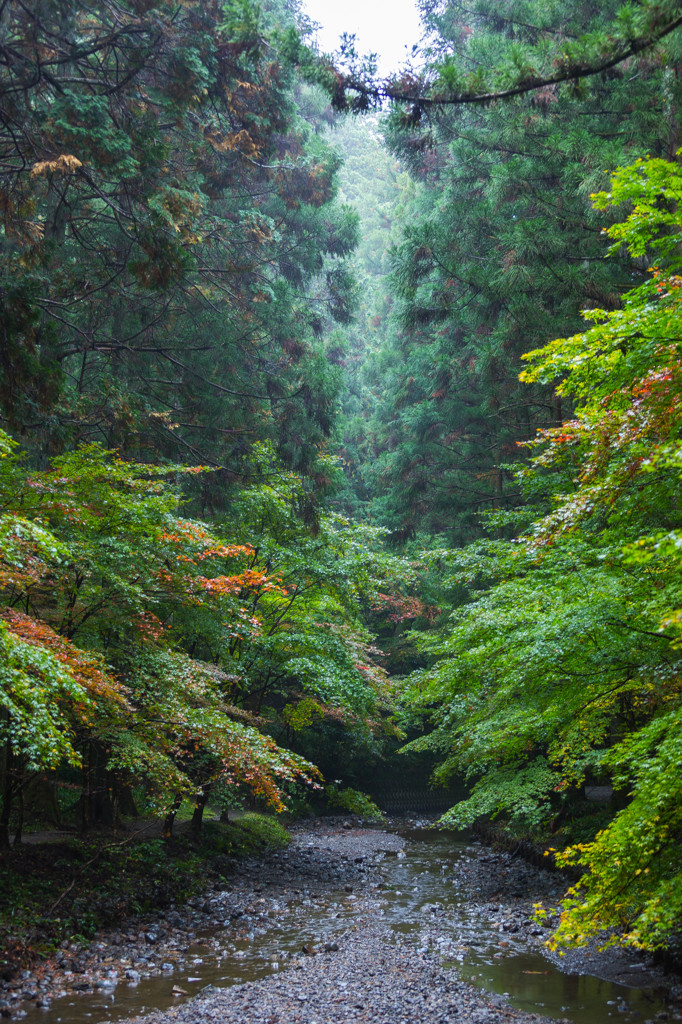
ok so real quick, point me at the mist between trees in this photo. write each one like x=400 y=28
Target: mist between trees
x=341 y=425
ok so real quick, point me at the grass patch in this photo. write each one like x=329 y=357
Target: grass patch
x=256 y=832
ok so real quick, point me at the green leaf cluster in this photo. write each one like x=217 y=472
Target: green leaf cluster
x=563 y=668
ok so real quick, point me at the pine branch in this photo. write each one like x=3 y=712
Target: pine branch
x=368 y=92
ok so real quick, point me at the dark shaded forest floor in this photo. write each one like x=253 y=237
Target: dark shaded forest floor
x=60 y=887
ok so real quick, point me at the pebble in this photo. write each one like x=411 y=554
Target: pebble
x=374 y=975
x=407 y=987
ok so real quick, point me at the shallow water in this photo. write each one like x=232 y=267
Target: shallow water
x=422 y=898
x=527 y=979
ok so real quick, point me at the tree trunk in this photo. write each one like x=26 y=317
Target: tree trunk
x=168 y=821
x=19 y=828
x=6 y=787
x=125 y=800
x=97 y=804
x=41 y=798
x=7 y=798
x=85 y=800
x=202 y=800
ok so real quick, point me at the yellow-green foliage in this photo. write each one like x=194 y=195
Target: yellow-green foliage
x=261 y=832
x=355 y=802
x=567 y=667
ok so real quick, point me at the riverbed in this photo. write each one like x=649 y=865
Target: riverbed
x=350 y=923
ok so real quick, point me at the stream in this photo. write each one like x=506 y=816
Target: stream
x=417 y=889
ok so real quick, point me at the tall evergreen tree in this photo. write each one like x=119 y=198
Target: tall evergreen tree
x=171 y=242
x=501 y=252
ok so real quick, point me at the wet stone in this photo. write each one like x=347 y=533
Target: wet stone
x=399 y=979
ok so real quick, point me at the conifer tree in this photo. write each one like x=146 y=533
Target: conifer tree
x=501 y=252
x=171 y=243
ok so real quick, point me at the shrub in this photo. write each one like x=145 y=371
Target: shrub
x=355 y=802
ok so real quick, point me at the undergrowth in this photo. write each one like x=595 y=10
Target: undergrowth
x=355 y=802
x=73 y=888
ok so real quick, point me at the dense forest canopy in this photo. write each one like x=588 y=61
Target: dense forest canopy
x=323 y=436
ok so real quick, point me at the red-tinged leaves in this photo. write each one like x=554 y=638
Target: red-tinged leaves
x=252 y=579
x=403 y=609
x=87 y=669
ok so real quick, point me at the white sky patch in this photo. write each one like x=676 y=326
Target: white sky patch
x=389 y=29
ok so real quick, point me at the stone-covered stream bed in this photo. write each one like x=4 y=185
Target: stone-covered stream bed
x=349 y=924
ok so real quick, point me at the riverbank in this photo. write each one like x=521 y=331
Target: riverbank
x=504 y=891
x=235 y=881
x=314 y=921
x=70 y=903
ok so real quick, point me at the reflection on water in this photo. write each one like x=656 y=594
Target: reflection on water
x=577 y=997
x=425 y=883
x=421 y=897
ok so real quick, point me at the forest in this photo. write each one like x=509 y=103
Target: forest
x=340 y=426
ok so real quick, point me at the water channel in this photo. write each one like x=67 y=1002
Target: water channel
x=420 y=898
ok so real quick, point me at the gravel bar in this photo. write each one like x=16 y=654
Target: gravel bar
x=371 y=977
x=370 y=973
x=356 y=968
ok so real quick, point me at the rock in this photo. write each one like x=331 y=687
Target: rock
x=106 y=983
x=340 y=880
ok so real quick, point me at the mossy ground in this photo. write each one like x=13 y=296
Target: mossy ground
x=69 y=889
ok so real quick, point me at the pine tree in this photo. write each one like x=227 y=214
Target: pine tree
x=501 y=252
